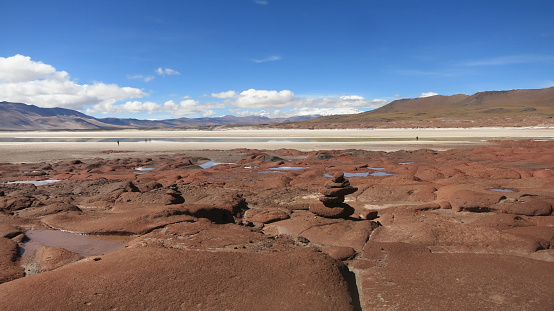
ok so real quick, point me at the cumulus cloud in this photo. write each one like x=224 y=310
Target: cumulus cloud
x=31 y=82
x=167 y=72
x=228 y=94
x=264 y=99
x=285 y=104
x=428 y=94
x=269 y=103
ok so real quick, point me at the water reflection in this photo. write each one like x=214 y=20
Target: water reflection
x=34 y=182
x=82 y=245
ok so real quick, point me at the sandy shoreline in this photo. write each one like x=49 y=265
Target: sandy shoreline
x=366 y=139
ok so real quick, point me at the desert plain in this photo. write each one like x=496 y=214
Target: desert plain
x=245 y=219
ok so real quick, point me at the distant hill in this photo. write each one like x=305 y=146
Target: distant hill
x=18 y=117
x=509 y=108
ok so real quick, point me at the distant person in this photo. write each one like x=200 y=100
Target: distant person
x=417 y=138
x=118 y=142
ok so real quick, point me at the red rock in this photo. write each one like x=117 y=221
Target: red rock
x=460 y=281
x=48 y=209
x=544 y=235
x=9 y=231
x=331 y=200
x=402 y=193
x=425 y=173
x=205 y=235
x=265 y=215
x=129 y=222
x=336 y=211
x=525 y=206
x=52 y=258
x=9 y=269
x=331 y=184
x=467 y=200
x=324 y=231
x=336 y=192
x=340 y=252
x=153 y=197
x=165 y=279
x=15 y=203
x=543 y=173
x=369 y=214
x=503 y=221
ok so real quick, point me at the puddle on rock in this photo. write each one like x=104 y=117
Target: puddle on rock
x=380 y=174
x=143 y=170
x=82 y=245
x=34 y=182
x=405 y=163
x=501 y=190
x=288 y=168
x=211 y=164
x=361 y=174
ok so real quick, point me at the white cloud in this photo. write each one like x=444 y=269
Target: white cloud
x=128 y=107
x=287 y=113
x=272 y=58
x=190 y=106
x=141 y=77
x=24 y=80
x=228 y=94
x=21 y=68
x=261 y=2
x=264 y=99
x=167 y=72
x=428 y=94
x=269 y=103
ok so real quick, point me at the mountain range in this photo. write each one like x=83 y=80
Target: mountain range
x=19 y=116
x=521 y=107
x=508 y=108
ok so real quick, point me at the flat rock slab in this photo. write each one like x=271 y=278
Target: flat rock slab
x=121 y=223
x=165 y=279
x=324 y=231
x=408 y=277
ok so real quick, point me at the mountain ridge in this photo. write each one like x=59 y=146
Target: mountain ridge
x=20 y=116
x=513 y=106
x=521 y=107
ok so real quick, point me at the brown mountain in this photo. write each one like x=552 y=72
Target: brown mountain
x=485 y=108
x=23 y=117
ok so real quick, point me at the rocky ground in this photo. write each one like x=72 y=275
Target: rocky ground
x=464 y=229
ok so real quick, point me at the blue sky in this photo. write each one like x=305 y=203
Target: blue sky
x=167 y=59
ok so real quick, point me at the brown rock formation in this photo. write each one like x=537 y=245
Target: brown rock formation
x=331 y=203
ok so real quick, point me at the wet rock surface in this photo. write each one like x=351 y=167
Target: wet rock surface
x=463 y=229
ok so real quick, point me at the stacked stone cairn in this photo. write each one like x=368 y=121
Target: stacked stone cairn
x=331 y=204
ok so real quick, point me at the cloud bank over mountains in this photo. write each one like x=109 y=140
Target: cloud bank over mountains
x=33 y=82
